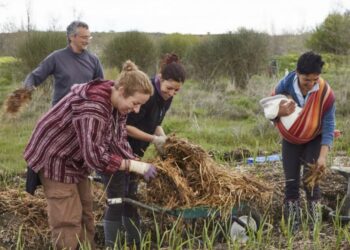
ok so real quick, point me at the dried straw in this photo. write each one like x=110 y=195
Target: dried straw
x=314 y=175
x=18 y=209
x=189 y=177
x=21 y=209
x=17 y=100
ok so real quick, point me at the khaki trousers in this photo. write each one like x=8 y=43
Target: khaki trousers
x=69 y=208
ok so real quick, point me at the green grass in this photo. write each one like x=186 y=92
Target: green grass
x=15 y=131
x=220 y=134
x=9 y=76
x=216 y=121
x=6 y=60
x=14 y=136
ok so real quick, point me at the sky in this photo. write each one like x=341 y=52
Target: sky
x=170 y=16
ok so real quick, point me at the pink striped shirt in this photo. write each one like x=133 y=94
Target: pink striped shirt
x=81 y=133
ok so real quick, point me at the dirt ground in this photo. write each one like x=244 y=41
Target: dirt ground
x=23 y=217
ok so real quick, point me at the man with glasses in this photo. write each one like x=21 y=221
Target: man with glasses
x=70 y=65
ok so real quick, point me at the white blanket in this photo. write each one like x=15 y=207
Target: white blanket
x=271 y=107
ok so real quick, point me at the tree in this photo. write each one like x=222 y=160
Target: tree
x=37 y=45
x=203 y=58
x=29 y=25
x=333 y=35
x=236 y=56
x=242 y=54
x=176 y=43
x=133 y=45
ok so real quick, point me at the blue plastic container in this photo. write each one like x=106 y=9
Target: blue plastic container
x=262 y=159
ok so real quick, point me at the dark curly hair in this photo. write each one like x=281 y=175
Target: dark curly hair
x=171 y=68
x=310 y=63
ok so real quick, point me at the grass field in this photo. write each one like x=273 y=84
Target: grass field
x=220 y=120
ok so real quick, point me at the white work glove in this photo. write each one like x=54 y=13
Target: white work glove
x=159 y=142
x=147 y=170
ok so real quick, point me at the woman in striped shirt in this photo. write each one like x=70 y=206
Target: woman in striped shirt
x=85 y=132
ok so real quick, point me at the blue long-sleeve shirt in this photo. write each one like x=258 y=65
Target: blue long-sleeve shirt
x=289 y=85
x=67 y=69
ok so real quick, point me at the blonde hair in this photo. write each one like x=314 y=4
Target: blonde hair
x=133 y=80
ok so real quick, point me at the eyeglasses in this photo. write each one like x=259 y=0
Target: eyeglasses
x=85 y=37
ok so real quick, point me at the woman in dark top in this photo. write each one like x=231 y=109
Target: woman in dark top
x=143 y=129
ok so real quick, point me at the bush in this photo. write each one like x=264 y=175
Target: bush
x=180 y=45
x=177 y=43
x=204 y=59
x=333 y=35
x=287 y=62
x=236 y=56
x=37 y=45
x=332 y=62
x=133 y=45
x=242 y=55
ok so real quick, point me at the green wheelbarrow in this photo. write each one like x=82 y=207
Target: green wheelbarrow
x=242 y=222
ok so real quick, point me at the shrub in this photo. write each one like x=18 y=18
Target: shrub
x=242 y=55
x=133 y=45
x=177 y=43
x=236 y=56
x=287 y=62
x=332 y=62
x=204 y=58
x=37 y=45
x=333 y=35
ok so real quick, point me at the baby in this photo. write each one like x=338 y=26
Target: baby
x=271 y=107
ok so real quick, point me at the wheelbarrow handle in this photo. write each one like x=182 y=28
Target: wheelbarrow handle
x=152 y=208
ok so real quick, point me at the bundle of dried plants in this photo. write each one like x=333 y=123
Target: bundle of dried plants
x=188 y=177
x=24 y=217
x=314 y=175
x=16 y=101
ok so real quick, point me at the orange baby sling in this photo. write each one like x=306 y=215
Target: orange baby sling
x=309 y=123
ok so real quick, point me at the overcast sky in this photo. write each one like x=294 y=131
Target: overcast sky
x=169 y=16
